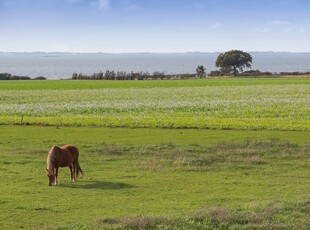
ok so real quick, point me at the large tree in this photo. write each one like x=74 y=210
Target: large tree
x=234 y=59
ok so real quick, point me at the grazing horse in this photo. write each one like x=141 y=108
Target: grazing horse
x=65 y=156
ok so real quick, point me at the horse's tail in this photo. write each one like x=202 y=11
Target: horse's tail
x=79 y=170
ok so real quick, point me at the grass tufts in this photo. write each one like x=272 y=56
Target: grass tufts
x=273 y=216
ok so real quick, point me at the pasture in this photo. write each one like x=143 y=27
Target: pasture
x=201 y=154
x=156 y=178
x=260 y=104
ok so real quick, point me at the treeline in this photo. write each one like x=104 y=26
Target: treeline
x=122 y=75
x=255 y=73
x=8 y=76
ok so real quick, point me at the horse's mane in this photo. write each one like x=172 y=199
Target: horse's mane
x=51 y=158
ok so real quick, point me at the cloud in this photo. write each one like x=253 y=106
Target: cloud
x=278 y=23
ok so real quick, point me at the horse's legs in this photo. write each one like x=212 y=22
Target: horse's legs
x=71 y=170
x=56 y=176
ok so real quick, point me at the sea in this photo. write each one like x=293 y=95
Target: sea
x=63 y=65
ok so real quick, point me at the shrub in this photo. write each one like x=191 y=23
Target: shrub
x=8 y=76
x=40 y=78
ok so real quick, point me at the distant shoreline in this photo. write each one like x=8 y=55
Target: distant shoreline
x=139 y=76
x=56 y=65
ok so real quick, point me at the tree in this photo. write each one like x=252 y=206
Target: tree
x=235 y=59
x=201 y=71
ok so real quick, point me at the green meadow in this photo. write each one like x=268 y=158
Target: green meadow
x=243 y=104
x=195 y=154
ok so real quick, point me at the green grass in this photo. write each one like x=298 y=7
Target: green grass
x=247 y=166
x=252 y=104
x=156 y=179
x=84 y=84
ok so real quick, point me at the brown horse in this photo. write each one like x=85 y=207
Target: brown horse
x=65 y=156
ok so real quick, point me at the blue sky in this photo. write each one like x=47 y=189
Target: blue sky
x=119 y=26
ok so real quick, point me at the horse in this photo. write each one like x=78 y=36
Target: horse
x=65 y=156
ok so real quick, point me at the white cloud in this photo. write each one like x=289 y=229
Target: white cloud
x=284 y=26
x=278 y=23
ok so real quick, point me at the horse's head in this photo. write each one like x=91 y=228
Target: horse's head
x=51 y=178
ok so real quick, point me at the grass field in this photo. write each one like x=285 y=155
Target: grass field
x=277 y=104
x=245 y=167
x=156 y=179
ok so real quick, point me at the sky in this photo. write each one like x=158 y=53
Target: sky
x=161 y=26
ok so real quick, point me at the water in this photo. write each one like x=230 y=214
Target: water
x=62 y=65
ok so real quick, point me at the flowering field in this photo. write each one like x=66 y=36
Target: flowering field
x=277 y=104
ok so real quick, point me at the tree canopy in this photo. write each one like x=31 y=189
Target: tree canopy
x=201 y=71
x=234 y=59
